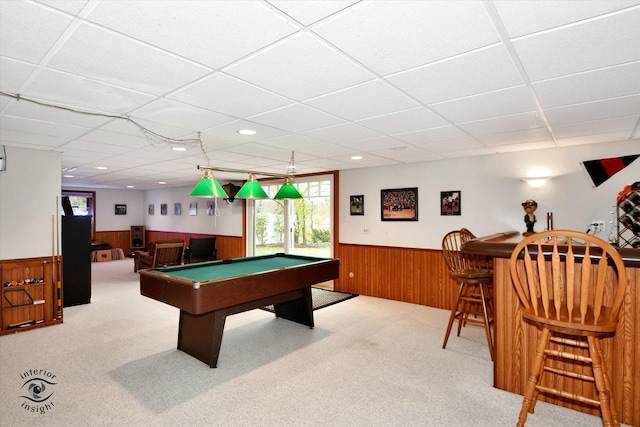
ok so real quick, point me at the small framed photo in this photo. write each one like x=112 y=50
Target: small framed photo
x=152 y=208
x=177 y=209
x=121 y=210
x=163 y=209
x=356 y=205
x=399 y=204
x=450 y=203
x=193 y=208
x=210 y=208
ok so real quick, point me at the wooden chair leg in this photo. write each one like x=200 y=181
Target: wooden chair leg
x=487 y=325
x=528 y=402
x=452 y=317
x=607 y=383
x=604 y=393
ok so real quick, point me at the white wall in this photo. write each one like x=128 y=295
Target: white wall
x=106 y=199
x=227 y=222
x=29 y=203
x=491 y=193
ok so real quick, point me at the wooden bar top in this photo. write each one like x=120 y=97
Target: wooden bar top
x=501 y=245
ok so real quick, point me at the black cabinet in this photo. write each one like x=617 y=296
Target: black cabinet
x=76 y=260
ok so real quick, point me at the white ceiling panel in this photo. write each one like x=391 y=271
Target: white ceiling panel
x=464 y=75
x=228 y=95
x=108 y=57
x=326 y=71
x=581 y=47
x=530 y=16
x=423 y=32
x=589 y=86
x=369 y=99
x=29 y=30
x=395 y=81
x=212 y=33
x=404 y=121
x=487 y=105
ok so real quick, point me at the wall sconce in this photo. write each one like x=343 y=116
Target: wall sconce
x=537 y=182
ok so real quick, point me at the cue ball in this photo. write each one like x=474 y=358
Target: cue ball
x=351 y=275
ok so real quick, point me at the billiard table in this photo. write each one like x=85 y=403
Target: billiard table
x=206 y=293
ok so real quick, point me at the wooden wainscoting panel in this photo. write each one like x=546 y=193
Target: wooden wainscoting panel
x=117 y=239
x=227 y=246
x=418 y=276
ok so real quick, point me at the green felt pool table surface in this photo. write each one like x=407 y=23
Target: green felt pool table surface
x=216 y=270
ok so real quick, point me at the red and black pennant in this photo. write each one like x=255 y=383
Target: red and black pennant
x=603 y=169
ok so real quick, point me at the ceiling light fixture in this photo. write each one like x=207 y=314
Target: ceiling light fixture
x=247 y=132
x=102 y=168
x=251 y=190
x=179 y=148
x=356 y=157
x=288 y=190
x=207 y=187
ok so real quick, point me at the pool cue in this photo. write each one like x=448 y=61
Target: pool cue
x=53 y=264
x=59 y=269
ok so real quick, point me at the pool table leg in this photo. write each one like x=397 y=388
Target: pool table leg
x=201 y=335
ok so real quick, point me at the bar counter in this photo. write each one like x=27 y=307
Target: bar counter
x=515 y=341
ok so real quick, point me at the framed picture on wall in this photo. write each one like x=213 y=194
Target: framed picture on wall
x=210 y=208
x=163 y=209
x=177 y=209
x=193 y=208
x=399 y=204
x=356 y=205
x=151 y=209
x=121 y=209
x=450 y=203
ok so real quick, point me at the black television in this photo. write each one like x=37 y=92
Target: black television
x=66 y=206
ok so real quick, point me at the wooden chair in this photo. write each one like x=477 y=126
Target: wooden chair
x=473 y=303
x=569 y=289
x=201 y=249
x=163 y=253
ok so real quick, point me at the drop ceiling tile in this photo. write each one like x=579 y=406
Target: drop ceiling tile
x=444 y=133
x=618 y=124
x=487 y=105
x=482 y=70
x=345 y=132
x=296 y=142
x=472 y=152
x=581 y=47
x=98 y=54
x=70 y=6
x=408 y=154
x=325 y=71
x=589 y=86
x=214 y=33
x=525 y=146
x=114 y=138
x=308 y=12
x=530 y=16
x=516 y=137
x=422 y=32
x=445 y=147
x=599 y=139
x=38 y=127
x=14 y=74
x=29 y=30
x=296 y=118
x=30 y=110
x=66 y=89
x=333 y=150
x=597 y=110
x=228 y=95
x=380 y=143
x=181 y=115
x=404 y=121
x=369 y=99
x=253 y=149
x=227 y=133
x=97 y=147
x=10 y=137
x=522 y=121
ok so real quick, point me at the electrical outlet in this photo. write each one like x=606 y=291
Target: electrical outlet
x=598 y=227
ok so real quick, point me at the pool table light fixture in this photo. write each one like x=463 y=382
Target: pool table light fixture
x=287 y=191
x=251 y=190
x=208 y=187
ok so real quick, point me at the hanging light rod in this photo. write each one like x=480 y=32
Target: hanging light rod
x=242 y=171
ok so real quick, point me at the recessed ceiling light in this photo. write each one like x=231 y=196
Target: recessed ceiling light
x=356 y=157
x=102 y=168
x=161 y=182
x=129 y=186
x=179 y=148
x=247 y=132
x=68 y=176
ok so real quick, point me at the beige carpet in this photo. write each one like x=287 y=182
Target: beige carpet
x=368 y=362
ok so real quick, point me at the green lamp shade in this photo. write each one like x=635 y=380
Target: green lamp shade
x=287 y=191
x=251 y=190
x=208 y=188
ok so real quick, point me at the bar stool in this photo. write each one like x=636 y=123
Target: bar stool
x=575 y=300
x=474 y=301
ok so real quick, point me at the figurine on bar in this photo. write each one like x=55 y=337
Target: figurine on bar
x=530 y=207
